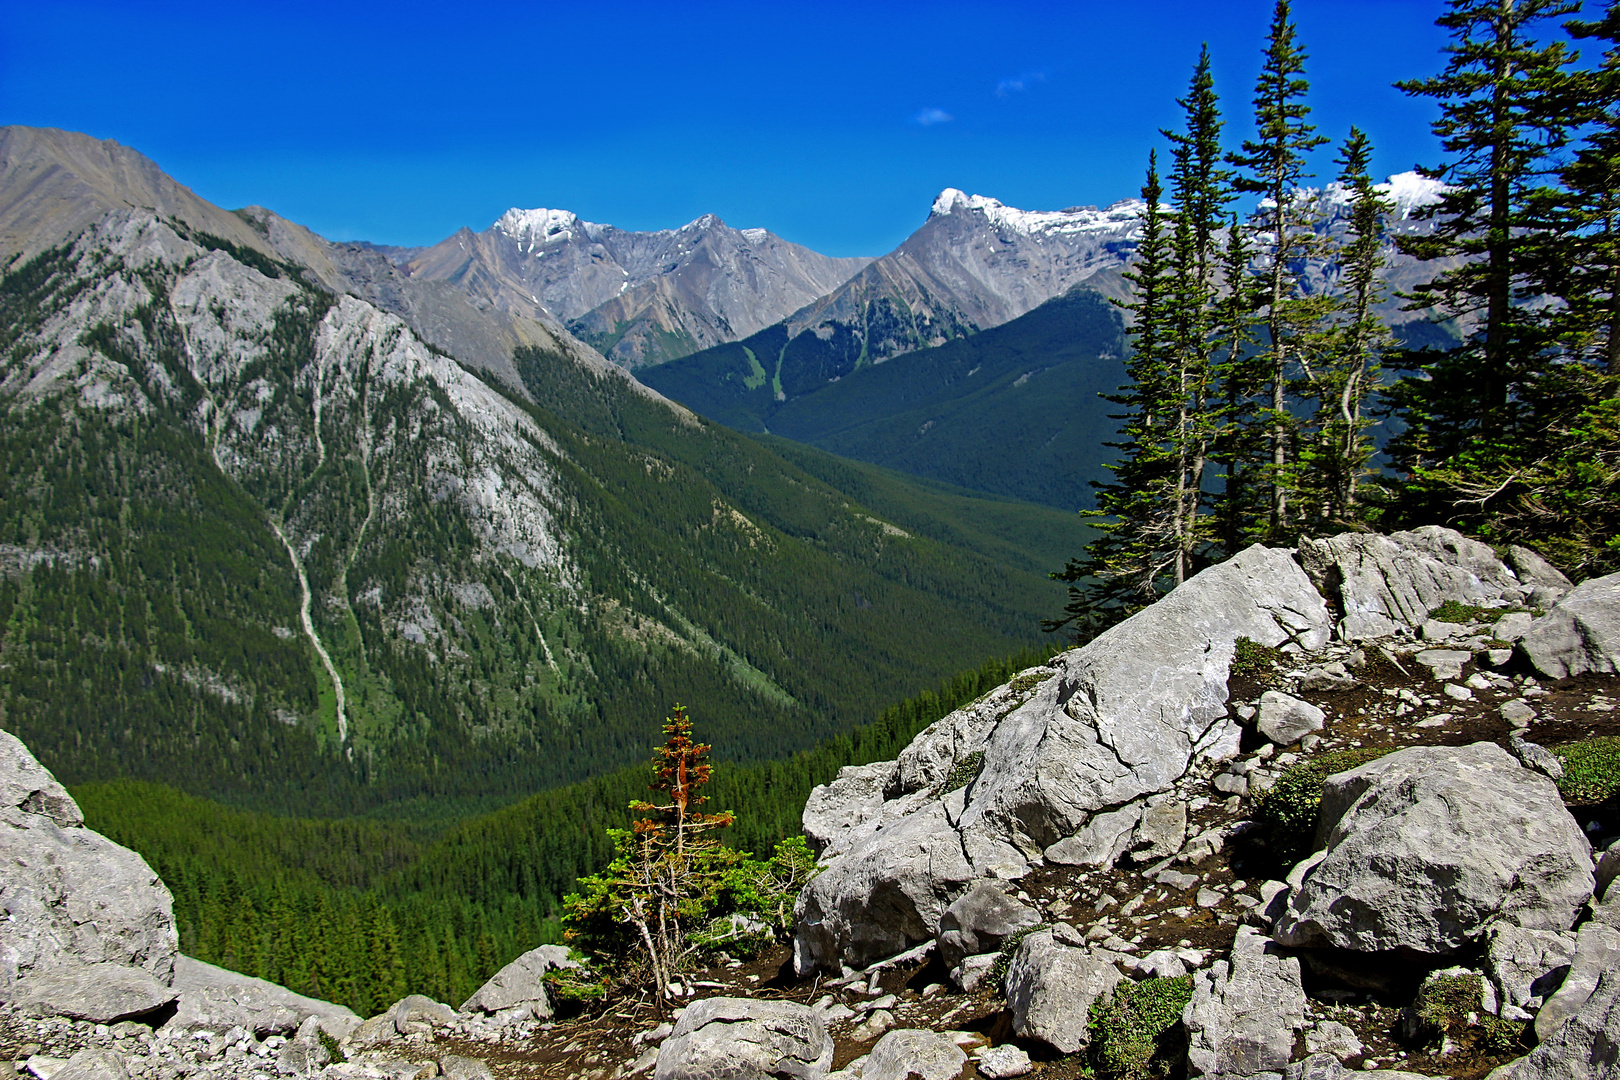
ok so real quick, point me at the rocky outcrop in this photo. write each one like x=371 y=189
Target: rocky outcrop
x=1597 y=950
x=985 y=791
x=518 y=990
x=1527 y=965
x=1580 y=634
x=744 y=1039
x=86 y=927
x=1385 y=583
x=1425 y=847
x=1244 y=1011
x=1051 y=987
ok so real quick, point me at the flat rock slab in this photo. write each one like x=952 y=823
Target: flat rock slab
x=214 y=999
x=746 y=1039
x=1427 y=846
x=99 y=993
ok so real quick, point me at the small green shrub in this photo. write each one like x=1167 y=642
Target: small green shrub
x=1287 y=812
x=963 y=772
x=998 y=970
x=334 y=1052
x=1252 y=660
x=1136 y=1032
x=1443 y=1005
x=1591 y=769
x=1027 y=682
x=1454 y=612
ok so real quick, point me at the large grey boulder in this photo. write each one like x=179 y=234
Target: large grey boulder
x=1244 y=1011
x=1425 y=847
x=69 y=897
x=1540 y=576
x=1092 y=731
x=1580 y=634
x=1597 y=950
x=1388 y=583
x=1050 y=989
x=979 y=921
x=213 y=999
x=746 y=1039
x=518 y=990
x=908 y=1052
x=1585 y=1047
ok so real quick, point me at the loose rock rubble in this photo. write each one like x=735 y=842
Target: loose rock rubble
x=1084 y=827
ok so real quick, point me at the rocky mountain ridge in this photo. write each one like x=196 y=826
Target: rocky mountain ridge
x=640 y=297
x=1095 y=828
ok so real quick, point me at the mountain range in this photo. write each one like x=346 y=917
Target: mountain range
x=287 y=526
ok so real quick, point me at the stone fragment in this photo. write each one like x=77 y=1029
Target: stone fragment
x=1004 y=1062
x=1608 y=868
x=518 y=990
x=1424 y=847
x=1285 y=720
x=1332 y=1037
x=1161 y=832
x=416 y=1013
x=1584 y=1046
x=1244 y=1011
x=746 y=1039
x=1526 y=965
x=972 y=970
x=1444 y=664
x=979 y=921
x=1534 y=756
x=1386 y=583
x=1597 y=950
x=94 y=1064
x=1101 y=841
x=1512 y=626
x=1580 y=634
x=214 y=999
x=1050 y=989
x=1517 y=711
x=1459 y=693
x=456 y=1067
x=1534 y=571
x=911 y=1052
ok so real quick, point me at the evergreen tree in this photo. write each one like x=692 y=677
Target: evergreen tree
x=1272 y=165
x=1241 y=372
x=1504 y=117
x=1199 y=191
x=1335 y=457
x=1125 y=566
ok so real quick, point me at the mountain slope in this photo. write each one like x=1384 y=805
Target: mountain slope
x=259 y=539
x=1013 y=411
x=639 y=297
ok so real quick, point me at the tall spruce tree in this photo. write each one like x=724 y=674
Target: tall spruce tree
x=1273 y=166
x=1335 y=457
x=1586 y=275
x=1200 y=191
x=1504 y=118
x=1125 y=567
x=1241 y=371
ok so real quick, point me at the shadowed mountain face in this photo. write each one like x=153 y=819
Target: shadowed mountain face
x=267 y=531
x=640 y=297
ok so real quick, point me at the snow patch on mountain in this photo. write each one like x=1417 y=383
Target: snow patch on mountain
x=1080 y=219
x=533 y=228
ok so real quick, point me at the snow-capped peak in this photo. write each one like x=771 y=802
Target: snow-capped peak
x=756 y=236
x=532 y=228
x=1410 y=190
x=1077 y=219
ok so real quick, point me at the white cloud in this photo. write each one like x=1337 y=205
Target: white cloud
x=930 y=117
x=1017 y=84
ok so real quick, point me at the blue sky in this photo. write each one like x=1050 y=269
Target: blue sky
x=833 y=124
